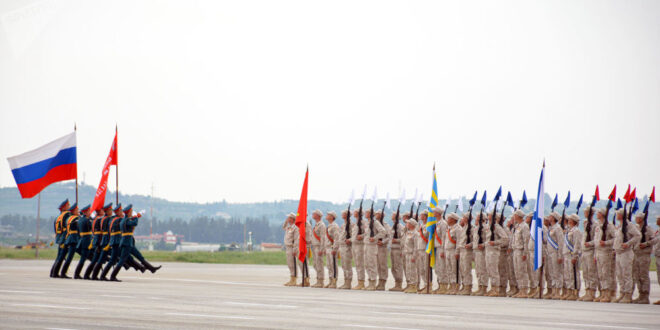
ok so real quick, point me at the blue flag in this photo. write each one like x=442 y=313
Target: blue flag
x=554 y=202
x=509 y=199
x=483 y=199
x=537 y=223
x=499 y=194
x=474 y=199
x=579 y=203
x=567 y=202
x=619 y=204
x=523 y=201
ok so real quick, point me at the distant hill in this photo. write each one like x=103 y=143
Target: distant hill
x=275 y=212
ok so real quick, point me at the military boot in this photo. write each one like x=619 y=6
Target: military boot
x=154 y=269
x=616 y=299
x=548 y=294
x=371 y=286
x=76 y=273
x=306 y=283
x=606 y=296
x=113 y=276
x=96 y=271
x=467 y=290
x=381 y=285
x=533 y=293
x=565 y=294
x=480 y=291
x=318 y=284
x=626 y=298
x=412 y=288
x=589 y=295
x=360 y=285
x=657 y=302
x=347 y=284
x=453 y=289
x=329 y=283
x=643 y=298
x=513 y=291
x=397 y=287
x=292 y=281
x=88 y=271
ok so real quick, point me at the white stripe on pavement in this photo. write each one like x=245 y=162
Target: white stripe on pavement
x=257 y=304
x=374 y=327
x=21 y=291
x=50 y=306
x=213 y=316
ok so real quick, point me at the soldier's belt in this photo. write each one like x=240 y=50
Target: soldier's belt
x=126 y=234
x=103 y=232
x=115 y=233
x=72 y=232
x=86 y=233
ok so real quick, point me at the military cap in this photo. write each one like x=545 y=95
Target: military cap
x=619 y=212
x=378 y=212
x=291 y=215
x=63 y=203
x=344 y=212
x=453 y=216
x=73 y=207
x=530 y=214
x=411 y=222
x=117 y=208
x=333 y=214
x=87 y=207
x=574 y=217
x=406 y=214
x=519 y=213
x=601 y=211
x=127 y=208
x=317 y=211
x=108 y=206
x=438 y=210
x=556 y=216
x=642 y=215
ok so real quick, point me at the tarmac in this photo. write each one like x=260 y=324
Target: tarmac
x=185 y=295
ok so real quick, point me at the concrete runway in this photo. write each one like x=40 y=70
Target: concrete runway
x=252 y=296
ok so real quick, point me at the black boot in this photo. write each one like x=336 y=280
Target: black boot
x=88 y=271
x=150 y=267
x=136 y=265
x=113 y=276
x=65 y=269
x=97 y=270
x=56 y=269
x=105 y=272
x=79 y=268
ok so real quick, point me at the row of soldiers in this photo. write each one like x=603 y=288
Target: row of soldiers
x=502 y=253
x=106 y=238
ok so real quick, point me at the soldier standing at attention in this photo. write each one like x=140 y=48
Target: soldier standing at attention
x=505 y=252
x=409 y=251
x=85 y=242
x=480 y=255
x=494 y=240
x=451 y=255
x=571 y=253
x=72 y=238
x=291 y=244
x=604 y=238
x=532 y=274
x=555 y=254
x=397 y=234
x=643 y=260
x=318 y=244
x=115 y=238
x=60 y=235
x=346 y=250
x=657 y=251
x=331 y=236
x=519 y=245
x=374 y=232
x=382 y=252
x=357 y=244
x=440 y=264
x=625 y=238
x=421 y=255
x=464 y=249
x=588 y=263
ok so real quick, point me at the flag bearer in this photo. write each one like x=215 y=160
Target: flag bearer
x=60 y=237
x=105 y=239
x=114 y=230
x=72 y=238
x=318 y=243
x=451 y=255
x=532 y=274
x=422 y=263
x=331 y=248
x=440 y=265
x=520 y=252
x=291 y=244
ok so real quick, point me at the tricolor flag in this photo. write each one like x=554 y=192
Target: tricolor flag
x=431 y=221
x=537 y=223
x=38 y=168
x=301 y=220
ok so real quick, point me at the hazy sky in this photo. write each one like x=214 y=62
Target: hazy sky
x=231 y=99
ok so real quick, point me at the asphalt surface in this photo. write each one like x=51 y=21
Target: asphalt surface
x=252 y=296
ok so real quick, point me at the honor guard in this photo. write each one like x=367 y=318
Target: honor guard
x=331 y=248
x=409 y=250
x=571 y=254
x=60 y=236
x=626 y=237
x=85 y=242
x=346 y=250
x=72 y=237
x=291 y=244
x=397 y=234
x=643 y=259
x=318 y=247
x=382 y=252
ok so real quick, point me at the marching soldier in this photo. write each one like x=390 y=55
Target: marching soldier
x=60 y=236
x=291 y=238
x=318 y=243
x=532 y=274
x=126 y=242
x=104 y=247
x=480 y=255
x=96 y=242
x=374 y=233
x=382 y=252
x=604 y=238
x=331 y=236
x=114 y=230
x=451 y=255
x=571 y=253
x=409 y=251
x=643 y=260
x=495 y=239
x=357 y=244
x=398 y=234
x=345 y=243
x=421 y=255
x=519 y=246
x=624 y=241
x=440 y=264
x=72 y=238
x=85 y=242
x=588 y=263
x=466 y=255
x=555 y=254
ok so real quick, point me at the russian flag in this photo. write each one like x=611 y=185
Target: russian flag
x=38 y=168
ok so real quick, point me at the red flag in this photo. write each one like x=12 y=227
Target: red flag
x=99 y=199
x=633 y=194
x=301 y=220
x=652 y=198
x=612 y=195
x=597 y=194
x=626 y=196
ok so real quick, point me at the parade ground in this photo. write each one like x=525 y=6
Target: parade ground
x=186 y=295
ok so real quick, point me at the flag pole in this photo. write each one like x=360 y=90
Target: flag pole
x=117 y=170
x=36 y=255
x=75 y=129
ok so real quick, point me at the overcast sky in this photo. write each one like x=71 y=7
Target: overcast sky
x=231 y=99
